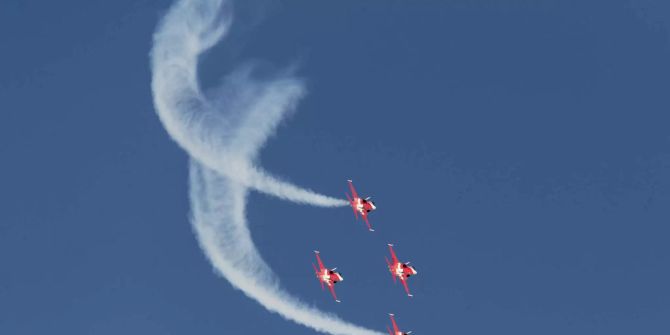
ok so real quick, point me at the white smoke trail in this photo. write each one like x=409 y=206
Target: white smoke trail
x=226 y=143
x=224 y=147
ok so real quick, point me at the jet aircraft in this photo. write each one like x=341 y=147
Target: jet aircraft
x=360 y=206
x=400 y=270
x=327 y=276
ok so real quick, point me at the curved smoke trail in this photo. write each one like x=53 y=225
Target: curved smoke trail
x=223 y=148
x=226 y=143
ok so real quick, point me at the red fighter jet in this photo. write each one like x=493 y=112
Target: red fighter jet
x=395 y=328
x=400 y=270
x=360 y=206
x=329 y=277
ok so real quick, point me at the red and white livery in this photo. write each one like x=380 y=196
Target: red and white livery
x=400 y=270
x=396 y=331
x=360 y=206
x=327 y=276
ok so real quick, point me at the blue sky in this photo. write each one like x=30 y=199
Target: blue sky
x=519 y=154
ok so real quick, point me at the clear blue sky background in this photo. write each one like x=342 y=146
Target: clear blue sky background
x=519 y=152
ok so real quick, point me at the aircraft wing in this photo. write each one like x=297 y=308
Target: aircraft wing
x=318 y=259
x=404 y=283
x=395 y=326
x=365 y=218
x=353 y=190
x=332 y=291
x=393 y=256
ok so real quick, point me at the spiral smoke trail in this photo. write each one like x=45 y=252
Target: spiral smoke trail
x=224 y=129
x=223 y=132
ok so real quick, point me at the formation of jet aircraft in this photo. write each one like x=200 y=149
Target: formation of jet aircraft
x=401 y=271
